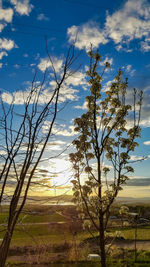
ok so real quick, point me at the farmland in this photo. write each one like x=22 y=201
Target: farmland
x=53 y=236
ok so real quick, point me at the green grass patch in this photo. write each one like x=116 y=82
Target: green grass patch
x=3 y=217
x=29 y=234
x=25 y=218
x=142 y=234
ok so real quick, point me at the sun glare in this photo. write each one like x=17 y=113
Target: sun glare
x=60 y=170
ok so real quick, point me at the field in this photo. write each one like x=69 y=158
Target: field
x=53 y=236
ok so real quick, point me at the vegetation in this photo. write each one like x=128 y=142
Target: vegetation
x=53 y=243
x=101 y=166
x=103 y=145
x=24 y=144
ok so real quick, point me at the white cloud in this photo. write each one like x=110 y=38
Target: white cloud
x=145 y=46
x=2 y=54
x=83 y=107
x=131 y=22
x=66 y=92
x=145 y=109
x=59 y=129
x=45 y=63
x=137 y=177
x=46 y=126
x=147 y=143
x=2 y=152
x=145 y=122
x=6 y=14
x=65 y=132
x=23 y=7
x=56 y=145
x=6 y=44
x=86 y=34
x=145 y=112
x=129 y=69
x=42 y=17
x=107 y=85
x=136 y=158
x=7 y=98
x=78 y=78
x=2 y=26
x=51 y=146
x=19 y=97
x=109 y=60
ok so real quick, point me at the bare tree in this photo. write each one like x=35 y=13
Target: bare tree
x=102 y=147
x=23 y=143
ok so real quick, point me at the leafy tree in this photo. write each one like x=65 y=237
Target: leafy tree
x=104 y=136
x=23 y=143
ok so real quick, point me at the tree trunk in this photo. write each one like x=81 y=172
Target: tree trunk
x=4 y=247
x=102 y=241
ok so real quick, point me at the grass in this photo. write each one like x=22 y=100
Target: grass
x=3 y=217
x=38 y=236
x=42 y=228
x=43 y=234
x=57 y=233
x=32 y=234
x=143 y=232
x=55 y=217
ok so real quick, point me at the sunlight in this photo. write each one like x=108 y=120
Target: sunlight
x=60 y=170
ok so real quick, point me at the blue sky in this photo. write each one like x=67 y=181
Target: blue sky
x=121 y=31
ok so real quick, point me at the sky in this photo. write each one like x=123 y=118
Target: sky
x=121 y=32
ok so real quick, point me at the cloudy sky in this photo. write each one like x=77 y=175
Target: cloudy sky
x=121 y=31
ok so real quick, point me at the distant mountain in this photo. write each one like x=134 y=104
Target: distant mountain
x=68 y=200
x=50 y=199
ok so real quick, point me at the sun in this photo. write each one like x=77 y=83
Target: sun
x=61 y=172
